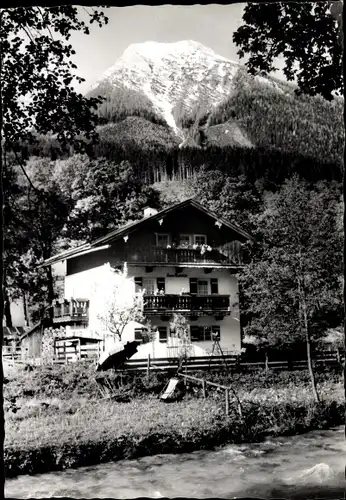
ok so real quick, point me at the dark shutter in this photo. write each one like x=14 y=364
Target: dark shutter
x=193 y=286
x=162 y=333
x=214 y=285
x=196 y=333
x=138 y=284
x=160 y=282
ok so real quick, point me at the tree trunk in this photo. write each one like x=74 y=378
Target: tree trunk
x=50 y=291
x=308 y=353
x=7 y=310
x=25 y=307
x=304 y=316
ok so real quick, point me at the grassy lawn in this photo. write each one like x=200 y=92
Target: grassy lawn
x=54 y=428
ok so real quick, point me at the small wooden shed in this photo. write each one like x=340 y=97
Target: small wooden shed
x=76 y=348
x=31 y=341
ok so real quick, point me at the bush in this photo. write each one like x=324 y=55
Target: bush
x=55 y=381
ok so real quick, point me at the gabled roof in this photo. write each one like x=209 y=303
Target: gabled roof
x=105 y=241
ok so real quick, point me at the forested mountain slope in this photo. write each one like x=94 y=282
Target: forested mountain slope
x=169 y=115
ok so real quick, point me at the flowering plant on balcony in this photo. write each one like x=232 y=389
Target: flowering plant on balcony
x=205 y=248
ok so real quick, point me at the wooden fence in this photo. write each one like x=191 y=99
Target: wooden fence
x=233 y=363
x=65 y=353
x=227 y=390
x=11 y=352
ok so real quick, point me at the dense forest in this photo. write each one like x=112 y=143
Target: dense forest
x=261 y=131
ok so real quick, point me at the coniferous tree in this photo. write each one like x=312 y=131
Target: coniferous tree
x=296 y=276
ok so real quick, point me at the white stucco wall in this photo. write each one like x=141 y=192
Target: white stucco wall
x=96 y=285
x=17 y=313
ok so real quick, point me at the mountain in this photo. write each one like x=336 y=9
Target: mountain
x=175 y=80
x=182 y=74
x=183 y=94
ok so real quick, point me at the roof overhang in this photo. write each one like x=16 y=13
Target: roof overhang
x=77 y=252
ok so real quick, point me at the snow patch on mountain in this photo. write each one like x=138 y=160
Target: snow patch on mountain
x=185 y=74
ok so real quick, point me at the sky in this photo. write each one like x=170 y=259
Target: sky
x=212 y=25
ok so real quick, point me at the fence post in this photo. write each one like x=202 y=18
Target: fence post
x=204 y=388
x=148 y=366
x=227 y=402
x=79 y=350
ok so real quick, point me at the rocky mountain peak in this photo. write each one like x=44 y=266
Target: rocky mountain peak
x=178 y=77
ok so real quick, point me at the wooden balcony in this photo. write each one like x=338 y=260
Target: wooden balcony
x=191 y=305
x=71 y=311
x=153 y=255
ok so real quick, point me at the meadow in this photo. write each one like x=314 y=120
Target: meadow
x=55 y=417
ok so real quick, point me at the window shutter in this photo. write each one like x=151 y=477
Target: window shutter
x=196 y=333
x=214 y=285
x=160 y=282
x=162 y=333
x=193 y=286
x=138 y=284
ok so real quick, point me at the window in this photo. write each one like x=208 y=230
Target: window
x=139 y=334
x=161 y=284
x=185 y=240
x=196 y=333
x=149 y=284
x=162 y=333
x=202 y=287
x=138 y=284
x=162 y=240
x=204 y=333
x=207 y=333
x=200 y=239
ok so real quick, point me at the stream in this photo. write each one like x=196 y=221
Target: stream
x=309 y=466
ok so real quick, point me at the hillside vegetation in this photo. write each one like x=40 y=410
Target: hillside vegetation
x=121 y=102
x=261 y=131
x=277 y=118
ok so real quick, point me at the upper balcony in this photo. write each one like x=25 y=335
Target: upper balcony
x=71 y=311
x=190 y=305
x=182 y=256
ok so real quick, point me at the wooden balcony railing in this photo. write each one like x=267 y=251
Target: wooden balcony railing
x=71 y=311
x=192 y=304
x=161 y=255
